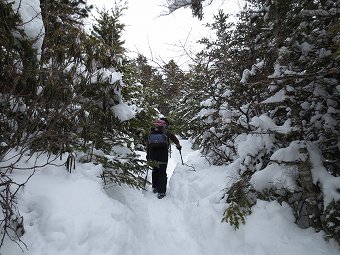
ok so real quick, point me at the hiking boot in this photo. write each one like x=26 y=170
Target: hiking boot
x=161 y=195
x=154 y=190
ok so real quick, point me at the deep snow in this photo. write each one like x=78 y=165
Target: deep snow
x=70 y=213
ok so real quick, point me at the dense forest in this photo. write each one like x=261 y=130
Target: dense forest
x=263 y=95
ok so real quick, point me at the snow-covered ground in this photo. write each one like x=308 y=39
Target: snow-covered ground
x=71 y=214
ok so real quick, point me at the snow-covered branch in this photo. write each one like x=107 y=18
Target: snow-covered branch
x=320 y=12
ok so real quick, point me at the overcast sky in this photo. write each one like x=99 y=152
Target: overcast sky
x=160 y=37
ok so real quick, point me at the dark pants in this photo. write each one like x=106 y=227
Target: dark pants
x=159 y=177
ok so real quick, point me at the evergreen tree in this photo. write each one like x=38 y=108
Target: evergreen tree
x=108 y=31
x=17 y=59
x=173 y=80
x=151 y=80
x=213 y=81
x=75 y=102
x=277 y=67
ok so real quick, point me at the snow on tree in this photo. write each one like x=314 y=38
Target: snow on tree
x=195 y=5
x=32 y=23
x=64 y=93
x=271 y=108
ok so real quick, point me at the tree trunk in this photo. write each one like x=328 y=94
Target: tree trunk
x=311 y=193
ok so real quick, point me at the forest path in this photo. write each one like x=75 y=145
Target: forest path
x=188 y=220
x=71 y=214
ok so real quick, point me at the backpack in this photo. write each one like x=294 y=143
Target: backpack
x=158 y=138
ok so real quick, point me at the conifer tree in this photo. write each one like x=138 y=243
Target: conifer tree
x=18 y=82
x=173 y=80
x=153 y=83
x=277 y=67
x=75 y=104
x=65 y=101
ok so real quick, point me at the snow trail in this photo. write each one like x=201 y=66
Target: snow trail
x=188 y=220
x=71 y=214
x=177 y=223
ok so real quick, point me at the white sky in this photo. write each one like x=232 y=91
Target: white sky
x=159 y=37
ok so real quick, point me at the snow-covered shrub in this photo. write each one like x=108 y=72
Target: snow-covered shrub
x=331 y=220
x=278 y=112
x=73 y=98
x=240 y=199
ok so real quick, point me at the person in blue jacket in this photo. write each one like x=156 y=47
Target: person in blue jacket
x=158 y=145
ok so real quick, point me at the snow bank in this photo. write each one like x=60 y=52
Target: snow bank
x=270 y=224
x=72 y=214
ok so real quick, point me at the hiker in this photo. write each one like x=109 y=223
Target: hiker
x=158 y=145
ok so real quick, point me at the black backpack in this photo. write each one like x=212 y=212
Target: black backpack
x=158 y=138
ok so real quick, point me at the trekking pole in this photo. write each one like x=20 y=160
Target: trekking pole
x=146 y=178
x=180 y=153
x=193 y=168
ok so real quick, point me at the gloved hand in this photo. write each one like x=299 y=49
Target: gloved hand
x=179 y=147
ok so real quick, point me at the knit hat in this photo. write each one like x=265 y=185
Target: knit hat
x=159 y=123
